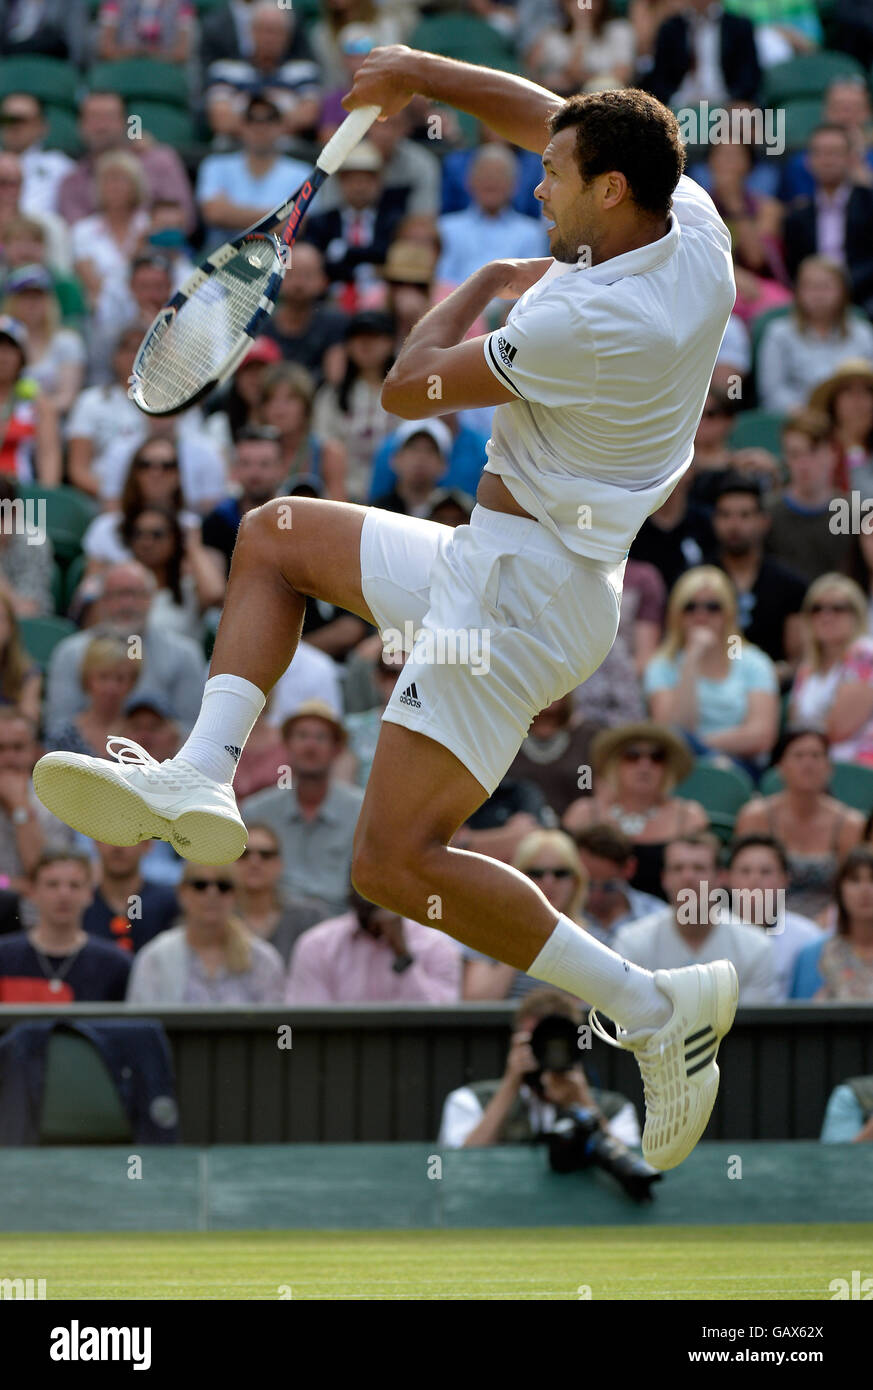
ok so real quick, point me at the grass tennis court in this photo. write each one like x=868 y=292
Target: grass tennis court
x=770 y=1263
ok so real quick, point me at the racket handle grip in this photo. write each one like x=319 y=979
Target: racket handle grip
x=343 y=141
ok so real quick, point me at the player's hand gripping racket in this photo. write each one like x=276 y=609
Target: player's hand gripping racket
x=204 y=332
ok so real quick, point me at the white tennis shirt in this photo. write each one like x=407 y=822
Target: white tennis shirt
x=611 y=365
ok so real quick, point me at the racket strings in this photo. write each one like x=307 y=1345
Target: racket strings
x=187 y=350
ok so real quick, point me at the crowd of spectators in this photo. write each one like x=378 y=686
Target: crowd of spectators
x=746 y=640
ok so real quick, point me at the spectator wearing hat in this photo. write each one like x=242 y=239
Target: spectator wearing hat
x=126 y=908
x=833 y=688
x=800 y=350
x=694 y=928
x=815 y=830
x=291 y=84
x=263 y=909
x=719 y=690
x=306 y=328
x=636 y=767
x=55 y=355
x=108 y=674
x=557 y=747
x=103 y=129
x=25 y=569
x=611 y=901
x=23 y=130
x=769 y=594
x=355 y=235
x=489 y=228
x=235 y=190
x=351 y=412
x=287 y=405
x=367 y=954
x=313 y=815
x=420 y=460
x=29 y=442
x=802 y=535
x=847 y=400
x=467 y=458
x=256 y=472
x=836 y=220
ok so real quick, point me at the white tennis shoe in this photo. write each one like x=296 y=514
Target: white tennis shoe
x=138 y=798
x=677 y=1061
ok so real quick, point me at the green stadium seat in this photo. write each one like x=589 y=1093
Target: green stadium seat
x=73 y=576
x=757 y=429
x=807 y=76
x=801 y=118
x=167 y=124
x=63 y=131
x=771 y=782
x=69 y=512
x=465 y=37
x=853 y=785
x=721 y=791
x=49 y=79
x=142 y=79
x=80 y=1103
x=41 y=635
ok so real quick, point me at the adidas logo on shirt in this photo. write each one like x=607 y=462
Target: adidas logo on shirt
x=235 y=753
x=507 y=351
x=410 y=697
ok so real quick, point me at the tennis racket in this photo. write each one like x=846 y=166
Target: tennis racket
x=206 y=329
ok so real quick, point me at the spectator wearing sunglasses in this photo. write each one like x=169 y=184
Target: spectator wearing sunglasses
x=153 y=479
x=833 y=689
x=636 y=768
x=211 y=957
x=551 y=860
x=190 y=576
x=262 y=908
x=717 y=689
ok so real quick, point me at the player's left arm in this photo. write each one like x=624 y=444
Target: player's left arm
x=435 y=372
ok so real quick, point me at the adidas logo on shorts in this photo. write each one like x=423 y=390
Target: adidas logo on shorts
x=410 y=697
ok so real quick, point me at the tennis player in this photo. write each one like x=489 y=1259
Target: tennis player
x=599 y=376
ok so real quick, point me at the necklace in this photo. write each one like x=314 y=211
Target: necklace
x=547 y=750
x=632 y=822
x=56 y=977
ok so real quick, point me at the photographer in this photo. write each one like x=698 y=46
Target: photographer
x=525 y=1101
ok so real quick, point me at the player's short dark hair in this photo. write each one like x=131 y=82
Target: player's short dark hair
x=60 y=856
x=632 y=132
x=605 y=841
x=758 y=842
x=740 y=483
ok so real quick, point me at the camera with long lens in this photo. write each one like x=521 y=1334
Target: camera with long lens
x=577 y=1140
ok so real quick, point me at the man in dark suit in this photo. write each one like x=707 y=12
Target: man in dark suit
x=701 y=50
x=358 y=232
x=837 y=221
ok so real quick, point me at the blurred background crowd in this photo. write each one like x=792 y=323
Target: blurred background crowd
x=727 y=740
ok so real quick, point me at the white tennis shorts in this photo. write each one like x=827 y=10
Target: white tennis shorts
x=498 y=619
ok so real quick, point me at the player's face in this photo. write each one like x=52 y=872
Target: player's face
x=567 y=204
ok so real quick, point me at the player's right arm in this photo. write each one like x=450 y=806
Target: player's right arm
x=513 y=107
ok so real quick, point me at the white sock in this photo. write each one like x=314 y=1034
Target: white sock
x=574 y=960
x=231 y=704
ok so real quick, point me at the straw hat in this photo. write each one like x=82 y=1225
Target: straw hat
x=315 y=709
x=851 y=370
x=609 y=743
